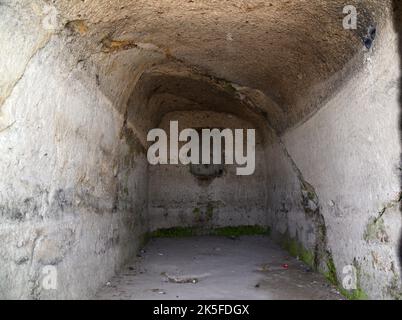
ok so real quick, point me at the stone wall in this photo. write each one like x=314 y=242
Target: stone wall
x=73 y=178
x=349 y=152
x=178 y=198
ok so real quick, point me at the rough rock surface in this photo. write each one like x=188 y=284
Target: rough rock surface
x=81 y=83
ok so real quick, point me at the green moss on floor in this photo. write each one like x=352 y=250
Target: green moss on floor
x=178 y=232
x=330 y=274
x=241 y=231
x=296 y=249
x=357 y=294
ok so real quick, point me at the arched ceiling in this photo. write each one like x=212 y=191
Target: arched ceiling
x=284 y=49
x=169 y=87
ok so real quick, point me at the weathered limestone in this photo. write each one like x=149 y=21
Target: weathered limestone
x=82 y=82
x=354 y=143
x=179 y=198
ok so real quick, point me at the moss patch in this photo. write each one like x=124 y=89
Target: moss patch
x=296 y=249
x=330 y=274
x=224 y=232
x=357 y=294
x=241 y=231
x=174 y=232
x=376 y=231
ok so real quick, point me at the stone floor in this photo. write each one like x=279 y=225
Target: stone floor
x=250 y=267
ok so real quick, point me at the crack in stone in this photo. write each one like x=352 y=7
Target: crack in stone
x=388 y=206
x=8 y=127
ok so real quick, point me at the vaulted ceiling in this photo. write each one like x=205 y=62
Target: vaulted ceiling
x=292 y=51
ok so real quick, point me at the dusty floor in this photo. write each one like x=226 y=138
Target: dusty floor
x=206 y=267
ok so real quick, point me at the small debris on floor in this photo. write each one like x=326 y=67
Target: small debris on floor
x=250 y=268
x=180 y=279
x=160 y=291
x=264 y=268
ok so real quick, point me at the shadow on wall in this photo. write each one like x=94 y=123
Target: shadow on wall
x=397 y=12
